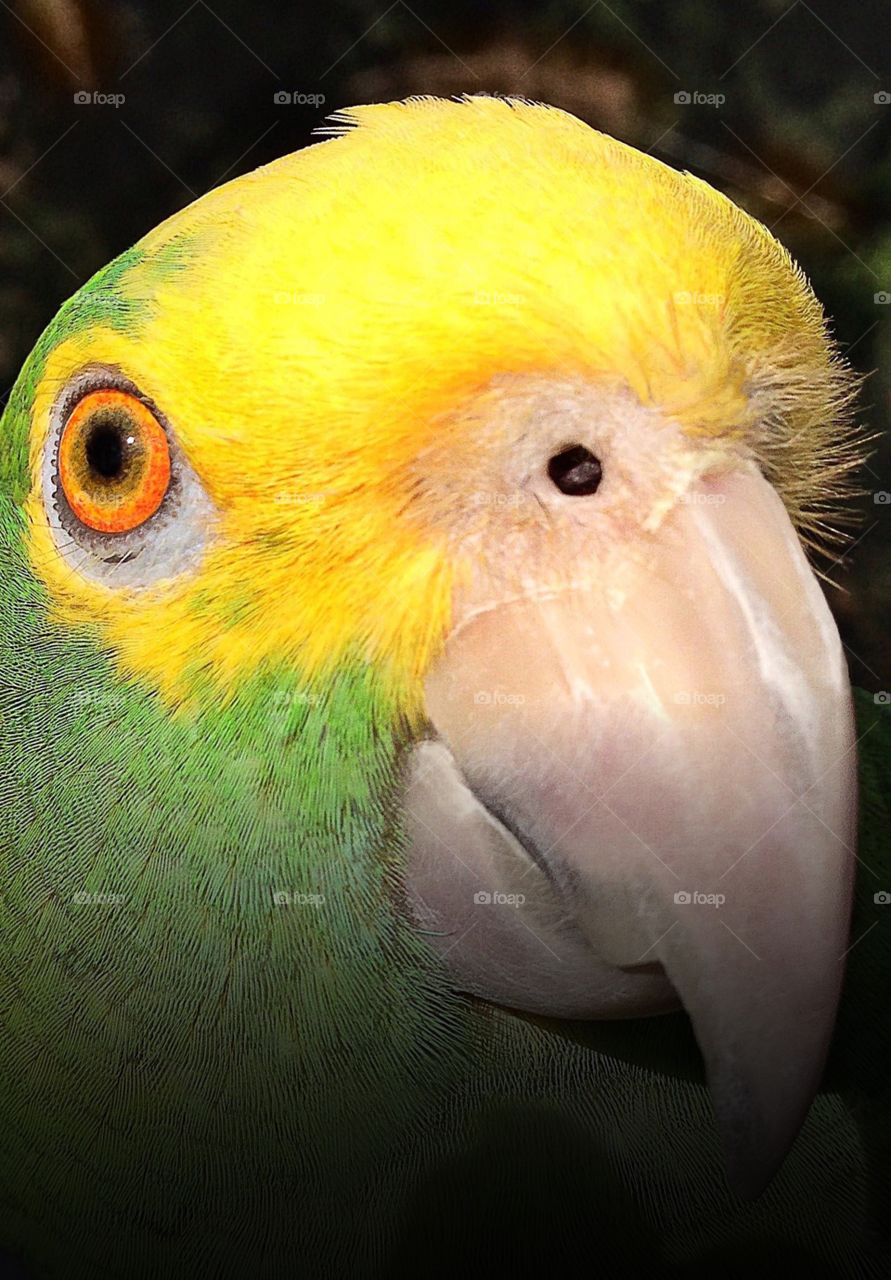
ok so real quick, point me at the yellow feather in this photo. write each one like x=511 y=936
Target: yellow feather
x=350 y=301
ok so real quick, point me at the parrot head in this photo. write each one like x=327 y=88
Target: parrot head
x=421 y=517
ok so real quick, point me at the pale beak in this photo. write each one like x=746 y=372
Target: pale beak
x=674 y=747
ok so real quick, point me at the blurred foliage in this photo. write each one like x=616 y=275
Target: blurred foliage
x=801 y=139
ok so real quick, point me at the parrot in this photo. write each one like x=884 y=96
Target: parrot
x=430 y=772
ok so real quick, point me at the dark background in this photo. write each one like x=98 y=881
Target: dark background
x=802 y=140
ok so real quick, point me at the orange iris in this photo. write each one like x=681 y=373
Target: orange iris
x=114 y=461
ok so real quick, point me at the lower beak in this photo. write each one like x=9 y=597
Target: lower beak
x=674 y=741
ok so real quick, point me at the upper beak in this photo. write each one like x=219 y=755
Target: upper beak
x=675 y=743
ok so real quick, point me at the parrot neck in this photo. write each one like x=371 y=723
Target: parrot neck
x=205 y=943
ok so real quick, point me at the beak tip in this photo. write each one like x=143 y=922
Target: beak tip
x=747 y=1183
x=755 y=1145
x=749 y=1172
x=749 y=1166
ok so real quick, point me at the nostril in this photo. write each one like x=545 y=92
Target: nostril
x=575 y=471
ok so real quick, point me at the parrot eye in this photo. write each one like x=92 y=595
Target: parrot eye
x=575 y=471
x=114 y=461
x=116 y=486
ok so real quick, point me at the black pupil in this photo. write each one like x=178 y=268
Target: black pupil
x=105 y=450
x=575 y=471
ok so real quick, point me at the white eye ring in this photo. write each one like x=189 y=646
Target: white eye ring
x=170 y=542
